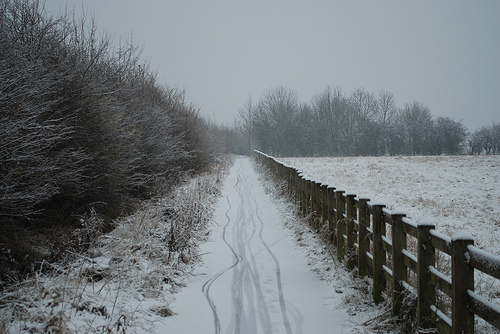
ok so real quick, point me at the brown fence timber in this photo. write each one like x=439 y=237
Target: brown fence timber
x=358 y=228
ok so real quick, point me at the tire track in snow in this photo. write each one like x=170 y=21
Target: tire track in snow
x=246 y=274
x=241 y=238
x=208 y=284
x=250 y=310
x=249 y=201
x=281 y=297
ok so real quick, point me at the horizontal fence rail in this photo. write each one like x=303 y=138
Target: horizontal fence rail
x=398 y=254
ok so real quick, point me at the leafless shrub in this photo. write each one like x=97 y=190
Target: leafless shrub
x=86 y=130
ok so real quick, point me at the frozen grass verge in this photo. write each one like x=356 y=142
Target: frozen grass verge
x=125 y=281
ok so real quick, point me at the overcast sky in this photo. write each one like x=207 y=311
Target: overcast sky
x=444 y=54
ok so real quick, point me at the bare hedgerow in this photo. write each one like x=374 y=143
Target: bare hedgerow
x=85 y=130
x=83 y=121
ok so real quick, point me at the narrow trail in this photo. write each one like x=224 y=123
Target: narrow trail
x=250 y=307
x=253 y=278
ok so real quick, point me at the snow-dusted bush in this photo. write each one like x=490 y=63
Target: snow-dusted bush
x=36 y=160
x=81 y=120
x=83 y=124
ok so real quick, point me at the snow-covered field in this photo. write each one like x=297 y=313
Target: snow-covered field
x=457 y=193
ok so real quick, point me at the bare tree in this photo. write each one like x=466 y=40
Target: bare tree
x=416 y=122
x=280 y=106
x=485 y=140
x=307 y=138
x=450 y=135
x=245 y=121
x=387 y=110
x=331 y=114
x=364 y=106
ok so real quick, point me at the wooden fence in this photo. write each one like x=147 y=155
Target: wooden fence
x=377 y=241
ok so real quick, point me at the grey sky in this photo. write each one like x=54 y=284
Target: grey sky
x=444 y=54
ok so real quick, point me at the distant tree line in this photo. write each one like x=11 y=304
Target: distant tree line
x=335 y=124
x=84 y=124
x=486 y=140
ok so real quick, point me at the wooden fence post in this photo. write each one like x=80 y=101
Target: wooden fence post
x=313 y=196
x=331 y=213
x=314 y=203
x=318 y=209
x=298 y=187
x=308 y=195
x=426 y=295
x=463 y=281
x=363 y=240
x=287 y=176
x=291 y=182
x=399 y=270
x=340 y=222
x=378 y=252
x=324 y=203
x=303 y=194
x=351 y=232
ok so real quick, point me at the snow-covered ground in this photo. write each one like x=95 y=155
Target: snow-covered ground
x=254 y=268
x=457 y=193
x=254 y=277
x=252 y=265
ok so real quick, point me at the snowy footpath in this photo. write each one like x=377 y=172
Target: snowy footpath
x=253 y=278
